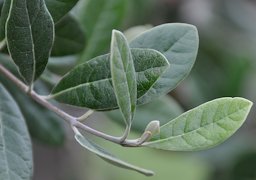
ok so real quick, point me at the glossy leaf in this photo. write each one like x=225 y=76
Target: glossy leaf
x=98 y=18
x=30 y=32
x=69 y=37
x=179 y=44
x=59 y=9
x=204 y=126
x=4 y=14
x=89 y=84
x=123 y=76
x=16 y=161
x=94 y=148
x=43 y=125
x=162 y=109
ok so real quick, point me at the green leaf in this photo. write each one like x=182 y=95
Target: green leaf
x=94 y=148
x=16 y=160
x=204 y=126
x=43 y=125
x=69 y=37
x=59 y=8
x=179 y=44
x=98 y=18
x=89 y=84
x=123 y=76
x=30 y=33
x=162 y=109
x=4 y=14
x=56 y=8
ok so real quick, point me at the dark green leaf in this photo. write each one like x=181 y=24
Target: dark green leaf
x=59 y=8
x=99 y=17
x=30 y=32
x=204 y=126
x=69 y=37
x=162 y=109
x=3 y=18
x=94 y=148
x=16 y=160
x=123 y=76
x=179 y=44
x=89 y=84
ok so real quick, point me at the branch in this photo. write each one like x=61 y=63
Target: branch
x=73 y=121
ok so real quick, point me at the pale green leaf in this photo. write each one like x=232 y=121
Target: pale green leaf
x=16 y=161
x=69 y=37
x=89 y=84
x=123 y=76
x=59 y=8
x=179 y=44
x=30 y=33
x=162 y=109
x=98 y=18
x=94 y=148
x=204 y=126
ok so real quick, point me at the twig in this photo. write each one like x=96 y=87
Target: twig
x=73 y=121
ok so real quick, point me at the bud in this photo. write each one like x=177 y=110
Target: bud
x=153 y=127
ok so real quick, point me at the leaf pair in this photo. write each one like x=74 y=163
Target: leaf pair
x=178 y=43
x=125 y=89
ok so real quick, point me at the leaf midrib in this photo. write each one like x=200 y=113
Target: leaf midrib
x=87 y=83
x=32 y=42
x=180 y=135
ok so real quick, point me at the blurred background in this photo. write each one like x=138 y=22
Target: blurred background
x=225 y=66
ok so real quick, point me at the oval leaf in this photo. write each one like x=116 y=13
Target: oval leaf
x=15 y=145
x=57 y=10
x=123 y=76
x=29 y=32
x=179 y=44
x=98 y=18
x=89 y=84
x=204 y=126
x=69 y=37
x=94 y=148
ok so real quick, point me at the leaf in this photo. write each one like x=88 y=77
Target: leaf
x=43 y=125
x=59 y=8
x=98 y=18
x=69 y=37
x=94 y=148
x=30 y=33
x=162 y=109
x=89 y=84
x=123 y=76
x=15 y=146
x=4 y=14
x=179 y=44
x=204 y=126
